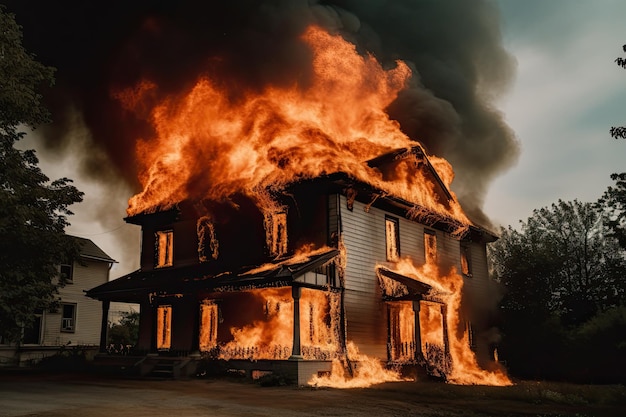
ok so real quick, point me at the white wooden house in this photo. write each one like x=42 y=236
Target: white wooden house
x=78 y=319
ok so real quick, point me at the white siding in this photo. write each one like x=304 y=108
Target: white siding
x=88 y=311
x=364 y=238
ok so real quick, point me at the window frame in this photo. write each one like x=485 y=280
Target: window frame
x=466 y=253
x=388 y=250
x=168 y=257
x=70 y=276
x=65 y=329
x=427 y=245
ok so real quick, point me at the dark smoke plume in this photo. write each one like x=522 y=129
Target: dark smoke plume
x=100 y=47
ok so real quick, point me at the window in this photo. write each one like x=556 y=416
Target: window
x=466 y=260
x=164 y=327
x=430 y=246
x=68 y=318
x=66 y=273
x=392 y=237
x=164 y=248
x=209 y=315
x=276 y=233
x=208 y=246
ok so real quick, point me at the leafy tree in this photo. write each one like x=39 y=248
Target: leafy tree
x=33 y=210
x=127 y=331
x=562 y=262
x=561 y=269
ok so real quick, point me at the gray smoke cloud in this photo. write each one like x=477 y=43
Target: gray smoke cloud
x=454 y=48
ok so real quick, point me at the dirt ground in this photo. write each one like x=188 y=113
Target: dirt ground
x=51 y=395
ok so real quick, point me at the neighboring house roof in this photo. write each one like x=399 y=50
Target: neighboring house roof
x=90 y=250
x=279 y=272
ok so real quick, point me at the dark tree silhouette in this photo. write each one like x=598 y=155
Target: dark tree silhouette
x=33 y=210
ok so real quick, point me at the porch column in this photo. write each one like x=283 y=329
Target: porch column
x=154 y=309
x=296 y=353
x=195 y=333
x=104 y=326
x=418 y=330
x=446 y=339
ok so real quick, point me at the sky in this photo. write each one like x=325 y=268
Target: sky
x=566 y=95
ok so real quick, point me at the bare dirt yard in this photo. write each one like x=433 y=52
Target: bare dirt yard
x=51 y=395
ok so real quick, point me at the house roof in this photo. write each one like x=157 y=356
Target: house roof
x=278 y=272
x=90 y=250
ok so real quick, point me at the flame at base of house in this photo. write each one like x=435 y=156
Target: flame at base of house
x=360 y=371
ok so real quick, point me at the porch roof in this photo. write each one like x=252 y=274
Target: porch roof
x=198 y=277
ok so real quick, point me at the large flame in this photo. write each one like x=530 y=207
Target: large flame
x=272 y=337
x=210 y=144
x=464 y=367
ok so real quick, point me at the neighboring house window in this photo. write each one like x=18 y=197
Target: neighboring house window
x=32 y=333
x=392 y=237
x=68 y=318
x=430 y=246
x=164 y=248
x=67 y=273
x=466 y=260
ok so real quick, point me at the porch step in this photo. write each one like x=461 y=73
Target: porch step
x=167 y=367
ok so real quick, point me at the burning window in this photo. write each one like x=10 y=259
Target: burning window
x=276 y=233
x=66 y=272
x=68 y=318
x=430 y=246
x=164 y=327
x=208 y=325
x=392 y=235
x=164 y=248
x=466 y=263
x=401 y=332
x=208 y=246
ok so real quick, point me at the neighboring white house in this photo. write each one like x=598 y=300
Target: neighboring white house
x=77 y=321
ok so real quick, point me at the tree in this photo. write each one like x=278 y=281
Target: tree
x=33 y=210
x=562 y=262
x=560 y=270
x=126 y=332
x=620 y=131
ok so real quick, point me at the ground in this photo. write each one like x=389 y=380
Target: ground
x=37 y=394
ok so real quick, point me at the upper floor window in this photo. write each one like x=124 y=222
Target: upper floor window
x=430 y=246
x=68 y=318
x=392 y=238
x=276 y=233
x=164 y=248
x=67 y=273
x=466 y=260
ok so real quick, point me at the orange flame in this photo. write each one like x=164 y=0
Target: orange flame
x=465 y=369
x=209 y=145
x=271 y=338
x=366 y=372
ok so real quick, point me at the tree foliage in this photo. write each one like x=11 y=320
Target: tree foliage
x=126 y=332
x=33 y=209
x=561 y=270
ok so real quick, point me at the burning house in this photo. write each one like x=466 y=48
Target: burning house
x=285 y=231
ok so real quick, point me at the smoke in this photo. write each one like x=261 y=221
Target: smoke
x=101 y=48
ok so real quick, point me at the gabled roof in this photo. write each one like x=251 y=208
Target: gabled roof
x=196 y=277
x=90 y=250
